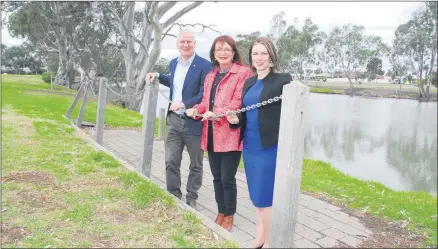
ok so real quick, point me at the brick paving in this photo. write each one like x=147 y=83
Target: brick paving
x=319 y=224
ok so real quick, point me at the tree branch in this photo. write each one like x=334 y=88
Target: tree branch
x=162 y=9
x=180 y=13
x=125 y=30
x=182 y=25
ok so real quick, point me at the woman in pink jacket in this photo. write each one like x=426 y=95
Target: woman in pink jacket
x=222 y=92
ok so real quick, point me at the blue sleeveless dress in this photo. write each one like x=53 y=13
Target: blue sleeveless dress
x=259 y=163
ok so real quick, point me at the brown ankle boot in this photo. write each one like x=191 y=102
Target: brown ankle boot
x=227 y=224
x=219 y=219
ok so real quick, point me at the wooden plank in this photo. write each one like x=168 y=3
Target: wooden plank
x=75 y=101
x=162 y=120
x=83 y=105
x=289 y=165
x=149 y=115
x=100 y=115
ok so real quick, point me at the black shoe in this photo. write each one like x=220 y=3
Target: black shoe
x=261 y=246
x=191 y=203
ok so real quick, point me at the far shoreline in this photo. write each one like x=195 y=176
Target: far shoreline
x=373 y=91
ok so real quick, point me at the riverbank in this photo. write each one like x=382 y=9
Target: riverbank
x=410 y=218
x=371 y=90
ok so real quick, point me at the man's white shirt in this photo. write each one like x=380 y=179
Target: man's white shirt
x=182 y=67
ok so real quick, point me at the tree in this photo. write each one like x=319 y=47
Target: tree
x=277 y=27
x=244 y=42
x=348 y=49
x=374 y=68
x=398 y=66
x=162 y=66
x=51 y=27
x=432 y=14
x=298 y=47
x=142 y=49
x=415 y=42
x=18 y=59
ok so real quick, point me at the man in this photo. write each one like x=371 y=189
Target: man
x=186 y=83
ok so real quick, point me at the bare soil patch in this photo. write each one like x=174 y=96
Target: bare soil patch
x=385 y=234
x=11 y=234
x=32 y=177
x=37 y=200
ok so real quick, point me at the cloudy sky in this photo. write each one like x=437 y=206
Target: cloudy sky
x=379 y=18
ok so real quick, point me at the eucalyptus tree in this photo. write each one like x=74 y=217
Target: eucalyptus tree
x=140 y=34
x=415 y=43
x=298 y=46
x=348 y=49
x=51 y=27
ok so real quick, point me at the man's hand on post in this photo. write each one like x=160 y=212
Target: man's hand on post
x=150 y=77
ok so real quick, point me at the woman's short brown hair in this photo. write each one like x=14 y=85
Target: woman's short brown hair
x=271 y=51
x=228 y=39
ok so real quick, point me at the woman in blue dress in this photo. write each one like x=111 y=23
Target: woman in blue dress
x=259 y=130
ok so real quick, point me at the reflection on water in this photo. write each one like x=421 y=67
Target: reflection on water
x=390 y=141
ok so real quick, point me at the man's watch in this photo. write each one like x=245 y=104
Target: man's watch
x=157 y=75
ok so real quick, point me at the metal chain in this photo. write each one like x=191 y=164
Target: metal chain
x=228 y=113
x=132 y=95
x=158 y=89
x=248 y=108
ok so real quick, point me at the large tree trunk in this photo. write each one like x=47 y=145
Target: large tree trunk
x=432 y=62
x=351 y=85
x=420 y=83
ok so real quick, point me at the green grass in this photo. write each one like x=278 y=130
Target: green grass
x=326 y=91
x=36 y=101
x=419 y=209
x=62 y=193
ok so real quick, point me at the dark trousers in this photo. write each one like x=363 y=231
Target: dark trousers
x=223 y=167
x=178 y=136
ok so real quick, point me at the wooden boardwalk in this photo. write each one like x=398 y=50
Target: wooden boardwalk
x=320 y=224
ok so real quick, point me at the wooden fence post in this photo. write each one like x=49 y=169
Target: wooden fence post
x=150 y=98
x=289 y=165
x=83 y=105
x=100 y=114
x=161 y=120
x=75 y=101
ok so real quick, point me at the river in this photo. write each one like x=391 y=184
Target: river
x=390 y=141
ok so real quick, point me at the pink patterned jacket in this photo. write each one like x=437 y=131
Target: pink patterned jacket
x=228 y=97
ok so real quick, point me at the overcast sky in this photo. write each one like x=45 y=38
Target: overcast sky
x=379 y=18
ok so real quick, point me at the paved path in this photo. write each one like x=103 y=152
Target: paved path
x=319 y=224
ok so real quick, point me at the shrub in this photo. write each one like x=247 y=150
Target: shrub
x=46 y=77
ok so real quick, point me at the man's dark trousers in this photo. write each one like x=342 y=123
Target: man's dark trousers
x=178 y=136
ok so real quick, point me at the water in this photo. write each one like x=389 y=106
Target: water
x=390 y=141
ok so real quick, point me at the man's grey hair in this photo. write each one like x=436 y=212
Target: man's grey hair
x=186 y=31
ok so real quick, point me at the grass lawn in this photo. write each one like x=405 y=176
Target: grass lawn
x=60 y=154
x=326 y=91
x=59 y=192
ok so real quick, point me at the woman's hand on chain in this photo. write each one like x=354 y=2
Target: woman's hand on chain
x=232 y=118
x=192 y=112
